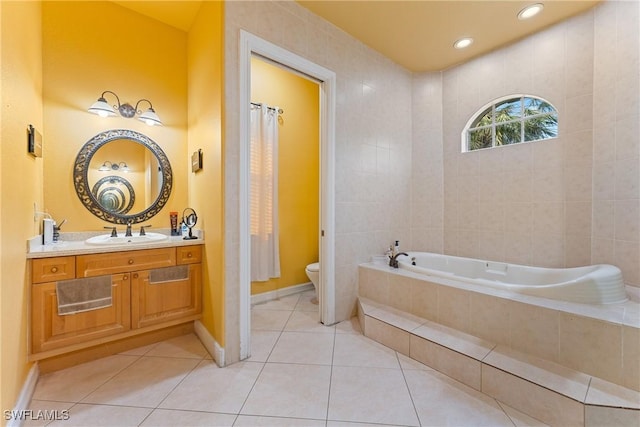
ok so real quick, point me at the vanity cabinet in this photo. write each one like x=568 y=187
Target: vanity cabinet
x=139 y=303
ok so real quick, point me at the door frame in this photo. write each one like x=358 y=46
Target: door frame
x=253 y=45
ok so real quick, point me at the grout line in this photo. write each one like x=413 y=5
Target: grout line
x=264 y=364
x=333 y=352
x=404 y=377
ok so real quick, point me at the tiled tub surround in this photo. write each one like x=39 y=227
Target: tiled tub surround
x=560 y=362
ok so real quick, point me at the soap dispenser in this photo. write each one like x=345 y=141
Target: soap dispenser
x=47 y=230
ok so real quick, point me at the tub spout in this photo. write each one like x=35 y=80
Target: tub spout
x=393 y=261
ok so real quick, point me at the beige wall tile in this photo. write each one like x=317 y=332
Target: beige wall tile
x=400 y=288
x=453 y=308
x=424 y=299
x=596 y=416
x=489 y=318
x=538 y=402
x=453 y=364
x=534 y=330
x=591 y=346
x=631 y=357
x=388 y=335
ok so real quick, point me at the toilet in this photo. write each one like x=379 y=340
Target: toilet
x=313 y=273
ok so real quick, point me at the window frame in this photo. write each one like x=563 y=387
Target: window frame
x=481 y=112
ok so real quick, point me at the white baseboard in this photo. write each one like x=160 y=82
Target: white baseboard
x=279 y=293
x=24 y=398
x=209 y=343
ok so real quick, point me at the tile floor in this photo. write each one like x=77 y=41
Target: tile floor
x=301 y=373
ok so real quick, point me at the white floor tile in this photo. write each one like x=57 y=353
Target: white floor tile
x=358 y=350
x=50 y=411
x=442 y=401
x=308 y=302
x=370 y=395
x=145 y=383
x=351 y=326
x=285 y=303
x=520 y=419
x=73 y=384
x=183 y=346
x=254 y=421
x=303 y=347
x=307 y=321
x=172 y=418
x=292 y=391
x=213 y=389
x=262 y=342
x=83 y=415
x=269 y=320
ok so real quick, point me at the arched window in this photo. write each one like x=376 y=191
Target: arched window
x=510 y=120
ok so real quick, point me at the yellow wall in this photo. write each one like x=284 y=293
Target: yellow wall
x=93 y=46
x=298 y=163
x=21 y=183
x=205 y=132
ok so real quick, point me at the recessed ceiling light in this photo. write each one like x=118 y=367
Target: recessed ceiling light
x=530 y=11
x=462 y=43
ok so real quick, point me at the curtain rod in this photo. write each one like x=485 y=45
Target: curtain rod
x=280 y=110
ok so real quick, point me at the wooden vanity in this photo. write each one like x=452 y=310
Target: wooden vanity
x=138 y=305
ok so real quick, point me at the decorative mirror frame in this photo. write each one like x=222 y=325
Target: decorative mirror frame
x=83 y=189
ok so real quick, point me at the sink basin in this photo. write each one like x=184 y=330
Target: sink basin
x=135 y=239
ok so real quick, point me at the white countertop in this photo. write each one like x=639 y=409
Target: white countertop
x=74 y=244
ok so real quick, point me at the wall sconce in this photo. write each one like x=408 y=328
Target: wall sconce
x=103 y=109
x=109 y=166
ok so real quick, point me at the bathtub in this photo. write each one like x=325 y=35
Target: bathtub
x=595 y=284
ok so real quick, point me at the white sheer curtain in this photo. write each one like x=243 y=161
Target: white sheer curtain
x=265 y=253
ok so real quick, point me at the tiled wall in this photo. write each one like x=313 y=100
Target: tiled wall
x=569 y=201
x=427 y=192
x=373 y=138
x=616 y=138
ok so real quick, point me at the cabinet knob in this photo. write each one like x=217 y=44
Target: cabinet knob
x=135 y=275
x=125 y=277
x=189 y=255
x=54 y=269
x=130 y=261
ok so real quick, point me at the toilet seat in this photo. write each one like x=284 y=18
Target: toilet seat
x=314 y=267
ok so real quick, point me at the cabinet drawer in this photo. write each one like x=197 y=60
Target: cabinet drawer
x=189 y=254
x=53 y=269
x=120 y=262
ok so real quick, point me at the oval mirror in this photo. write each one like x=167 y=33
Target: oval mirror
x=122 y=176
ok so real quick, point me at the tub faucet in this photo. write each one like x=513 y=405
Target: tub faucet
x=393 y=261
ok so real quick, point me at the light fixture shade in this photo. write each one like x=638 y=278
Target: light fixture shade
x=151 y=118
x=102 y=108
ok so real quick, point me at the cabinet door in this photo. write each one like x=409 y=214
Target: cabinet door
x=153 y=303
x=51 y=331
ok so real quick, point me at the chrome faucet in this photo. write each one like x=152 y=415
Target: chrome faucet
x=128 y=232
x=393 y=261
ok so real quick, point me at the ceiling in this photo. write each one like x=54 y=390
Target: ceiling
x=418 y=34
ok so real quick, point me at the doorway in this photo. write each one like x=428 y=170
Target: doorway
x=251 y=45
